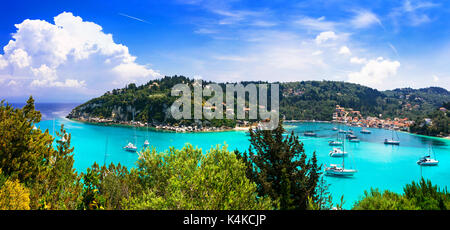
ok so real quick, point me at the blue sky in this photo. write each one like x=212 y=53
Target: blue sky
x=73 y=51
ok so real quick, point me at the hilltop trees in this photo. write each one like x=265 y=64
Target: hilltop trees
x=438 y=125
x=281 y=170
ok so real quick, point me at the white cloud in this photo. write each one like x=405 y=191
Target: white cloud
x=19 y=58
x=69 y=53
x=318 y=52
x=375 y=72
x=325 y=36
x=131 y=70
x=364 y=19
x=3 y=62
x=12 y=83
x=412 y=13
x=344 y=50
x=317 y=24
x=435 y=78
x=356 y=60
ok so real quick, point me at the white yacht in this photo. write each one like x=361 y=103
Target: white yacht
x=427 y=160
x=337 y=152
x=336 y=170
x=392 y=141
x=335 y=143
x=365 y=131
x=130 y=147
x=146 y=142
x=310 y=134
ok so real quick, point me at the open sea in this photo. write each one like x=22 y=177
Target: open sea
x=379 y=165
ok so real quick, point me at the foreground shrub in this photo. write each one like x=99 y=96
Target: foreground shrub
x=190 y=179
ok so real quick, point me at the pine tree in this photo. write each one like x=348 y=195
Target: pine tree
x=281 y=170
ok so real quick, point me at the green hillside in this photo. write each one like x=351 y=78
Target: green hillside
x=305 y=100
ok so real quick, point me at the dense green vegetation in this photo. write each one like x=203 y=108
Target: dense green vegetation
x=435 y=123
x=416 y=196
x=305 y=100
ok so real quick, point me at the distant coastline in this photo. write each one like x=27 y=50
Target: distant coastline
x=161 y=127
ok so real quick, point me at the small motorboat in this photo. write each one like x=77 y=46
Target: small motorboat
x=337 y=152
x=342 y=131
x=130 y=147
x=355 y=140
x=351 y=136
x=335 y=129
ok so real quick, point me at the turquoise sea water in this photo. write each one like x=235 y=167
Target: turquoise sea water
x=378 y=165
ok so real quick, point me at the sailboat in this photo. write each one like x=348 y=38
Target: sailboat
x=336 y=142
x=309 y=133
x=337 y=170
x=146 y=143
x=351 y=136
x=337 y=152
x=130 y=147
x=392 y=141
x=342 y=131
x=365 y=131
x=427 y=160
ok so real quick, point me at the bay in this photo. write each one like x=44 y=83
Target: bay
x=379 y=165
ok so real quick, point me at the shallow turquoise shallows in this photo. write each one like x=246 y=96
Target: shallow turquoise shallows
x=381 y=166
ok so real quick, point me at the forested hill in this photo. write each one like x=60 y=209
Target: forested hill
x=317 y=100
x=305 y=100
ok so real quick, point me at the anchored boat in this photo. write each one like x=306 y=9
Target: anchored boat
x=365 y=131
x=337 y=170
x=335 y=143
x=427 y=160
x=337 y=152
x=130 y=147
x=392 y=141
